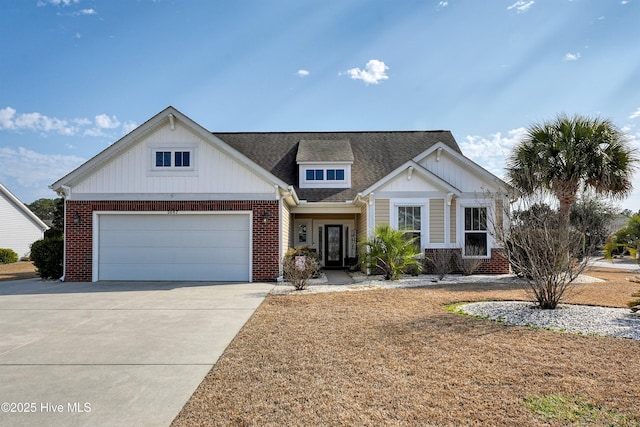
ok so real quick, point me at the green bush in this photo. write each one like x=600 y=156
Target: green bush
x=391 y=252
x=8 y=256
x=47 y=257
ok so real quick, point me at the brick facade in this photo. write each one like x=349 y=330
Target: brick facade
x=79 y=237
x=497 y=264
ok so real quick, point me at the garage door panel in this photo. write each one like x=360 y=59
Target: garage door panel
x=189 y=247
x=159 y=272
x=175 y=238
x=151 y=255
x=164 y=222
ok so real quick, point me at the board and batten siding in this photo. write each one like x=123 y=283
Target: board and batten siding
x=436 y=221
x=454 y=173
x=382 y=212
x=132 y=171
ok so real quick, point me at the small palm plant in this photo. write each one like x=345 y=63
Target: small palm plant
x=391 y=251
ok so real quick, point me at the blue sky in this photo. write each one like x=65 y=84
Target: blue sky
x=76 y=75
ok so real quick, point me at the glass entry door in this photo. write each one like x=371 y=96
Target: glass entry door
x=333 y=246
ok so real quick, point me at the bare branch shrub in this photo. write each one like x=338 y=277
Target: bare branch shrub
x=439 y=262
x=298 y=270
x=543 y=251
x=470 y=262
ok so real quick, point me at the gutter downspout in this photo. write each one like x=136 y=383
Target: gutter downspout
x=66 y=193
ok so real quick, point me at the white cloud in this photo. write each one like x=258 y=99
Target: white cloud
x=572 y=56
x=58 y=2
x=521 y=6
x=633 y=115
x=491 y=152
x=442 y=5
x=86 y=12
x=128 y=127
x=374 y=72
x=303 y=73
x=11 y=120
x=32 y=169
x=36 y=122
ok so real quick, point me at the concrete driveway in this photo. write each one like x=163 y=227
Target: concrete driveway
x=112 y=353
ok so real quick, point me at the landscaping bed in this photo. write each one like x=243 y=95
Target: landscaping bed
x=398 y=357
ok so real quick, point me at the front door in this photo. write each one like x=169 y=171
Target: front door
x=333 y=246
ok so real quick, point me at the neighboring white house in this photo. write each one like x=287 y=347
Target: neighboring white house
x=19 y=227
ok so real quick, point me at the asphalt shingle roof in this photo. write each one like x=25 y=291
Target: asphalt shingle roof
x=324 y=151
x=375 y=155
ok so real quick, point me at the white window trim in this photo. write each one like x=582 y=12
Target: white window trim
x=173 y=170
x=325 y=183
x=394 y=204
x=462 y=205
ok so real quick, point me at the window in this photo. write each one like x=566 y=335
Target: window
x=315 y=174
x=475 y=232
x=319 y=174
x=335 y=174
x=410 y=221
x=163 y=159
x=181 y=159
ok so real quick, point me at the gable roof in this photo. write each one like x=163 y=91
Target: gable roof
x=168 y=115
x=23 y=208
x=375 y=155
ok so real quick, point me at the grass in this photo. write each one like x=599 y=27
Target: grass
x=398 y=357
x=572 y=410
x=17 y=271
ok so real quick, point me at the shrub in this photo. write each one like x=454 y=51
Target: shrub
x=469 y=264
x=299 y=269
x=308 y=252
x=391 y=252
x=439 y=262
x=47 y=257
x=8 y=256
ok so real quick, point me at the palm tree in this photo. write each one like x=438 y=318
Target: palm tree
x=567 y=154
x=390 y=251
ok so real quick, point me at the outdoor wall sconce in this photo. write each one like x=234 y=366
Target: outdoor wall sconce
x=264 y=216
x=76 y=218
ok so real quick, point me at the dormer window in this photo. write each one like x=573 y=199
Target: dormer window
x=334 y=175
x=325 y=163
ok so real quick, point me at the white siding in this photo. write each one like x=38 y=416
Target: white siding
x=456 y=174
x=17 y=230
x=214 y=172
x=402 y=184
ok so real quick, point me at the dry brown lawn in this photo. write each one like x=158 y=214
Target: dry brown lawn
x=397 y=357
x=17 y=271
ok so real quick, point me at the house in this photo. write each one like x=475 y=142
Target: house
x=19 y=227
x=174 y=201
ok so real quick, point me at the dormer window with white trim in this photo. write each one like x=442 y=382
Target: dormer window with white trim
x=325 y=163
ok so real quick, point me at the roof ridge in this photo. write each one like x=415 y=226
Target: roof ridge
x=330 y=131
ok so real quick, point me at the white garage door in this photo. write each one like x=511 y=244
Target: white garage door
x=199 y=247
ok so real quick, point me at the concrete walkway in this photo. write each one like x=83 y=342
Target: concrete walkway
x=112 y=353
x=337 y=277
